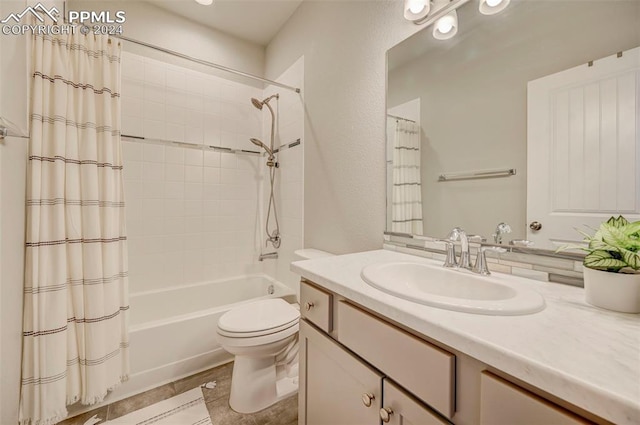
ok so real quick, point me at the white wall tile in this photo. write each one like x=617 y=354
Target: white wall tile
x=174 y=172
x=192 y=213
x=176 y=114
x=175 y=132
x=174 y=155
x=153 y=153
x=132 y=126
x=154 y=129
x=154 y=73
x=132 y=107
x=175 y=79
x=154 y=93
x=152 y=171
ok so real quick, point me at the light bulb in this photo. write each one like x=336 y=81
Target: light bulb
x=445 y=24
x=416 y=7
x=415 y=10
x=446 y=27
x=491 y=7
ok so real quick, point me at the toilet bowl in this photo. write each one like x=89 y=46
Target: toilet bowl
x=263 y=337
x=259 y=334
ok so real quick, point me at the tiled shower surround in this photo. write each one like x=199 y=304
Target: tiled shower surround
x=195 y=213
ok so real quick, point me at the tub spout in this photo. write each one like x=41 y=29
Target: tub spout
x=268 y=255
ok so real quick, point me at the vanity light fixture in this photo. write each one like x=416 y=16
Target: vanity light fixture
x=443 y=14
x=416 y=9
x=205 y=2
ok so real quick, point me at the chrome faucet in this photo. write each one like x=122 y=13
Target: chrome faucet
x=457 y=234
x=268 y=255
x=501 y=229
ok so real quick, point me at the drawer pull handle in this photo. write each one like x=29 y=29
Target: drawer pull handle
x=385 y=414
x=309 y=305
x=367 y=398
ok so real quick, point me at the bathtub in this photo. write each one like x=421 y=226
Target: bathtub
x=173 y=331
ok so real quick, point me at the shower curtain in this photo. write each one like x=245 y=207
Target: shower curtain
x=75 y=340
x=406 y=195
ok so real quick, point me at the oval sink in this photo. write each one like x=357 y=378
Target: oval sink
x=452 y=289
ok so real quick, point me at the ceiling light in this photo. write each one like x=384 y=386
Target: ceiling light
x=416 y=9
x=491 y=7
x=208 y=2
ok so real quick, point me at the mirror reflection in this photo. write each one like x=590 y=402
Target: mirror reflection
x=521 y=127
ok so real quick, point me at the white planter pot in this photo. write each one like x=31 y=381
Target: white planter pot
x=613 y=291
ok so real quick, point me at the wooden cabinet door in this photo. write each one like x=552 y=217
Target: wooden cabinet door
x=503 y=403
x=334 y=384
x=400 y=408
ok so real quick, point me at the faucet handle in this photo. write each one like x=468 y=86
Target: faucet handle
x=450 y=261
x=481 y=266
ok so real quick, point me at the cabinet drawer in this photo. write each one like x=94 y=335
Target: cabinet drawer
x=404 y=409
x=503 y=403
x=422 y=368
x=315 y=306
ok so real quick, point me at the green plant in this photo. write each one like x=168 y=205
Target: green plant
x=614 y=247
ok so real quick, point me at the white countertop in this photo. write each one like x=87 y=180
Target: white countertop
x=587 y=356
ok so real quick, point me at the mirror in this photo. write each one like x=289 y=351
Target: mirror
x=482 y=102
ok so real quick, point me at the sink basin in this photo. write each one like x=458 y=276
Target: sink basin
x=452 y=289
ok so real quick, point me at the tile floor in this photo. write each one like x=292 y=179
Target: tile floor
x=217 y=401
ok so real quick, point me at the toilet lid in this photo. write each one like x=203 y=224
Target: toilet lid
x=259 y=316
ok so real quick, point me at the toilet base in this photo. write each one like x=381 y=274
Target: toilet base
x=256 y=384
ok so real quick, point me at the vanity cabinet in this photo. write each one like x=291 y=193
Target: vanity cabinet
x=340 y=389
x=400 y=408
x=503 y=403
x=357 y=368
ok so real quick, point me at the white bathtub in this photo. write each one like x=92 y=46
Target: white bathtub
x=172 y=331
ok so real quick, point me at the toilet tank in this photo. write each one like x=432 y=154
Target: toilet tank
x=309 y=254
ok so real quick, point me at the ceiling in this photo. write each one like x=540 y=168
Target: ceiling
x=257 y=21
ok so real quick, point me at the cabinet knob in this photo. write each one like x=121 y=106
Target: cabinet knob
x=367 y=398
x=385 y=414
x=309 y=305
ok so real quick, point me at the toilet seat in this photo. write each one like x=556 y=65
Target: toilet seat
x=261 y=332
x=232 y=340
x=273 y=317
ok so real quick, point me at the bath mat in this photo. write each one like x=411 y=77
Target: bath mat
x=184 y=409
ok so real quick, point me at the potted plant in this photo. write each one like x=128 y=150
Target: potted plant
x=612 y=265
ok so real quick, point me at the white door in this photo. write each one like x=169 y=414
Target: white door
x=583 y=148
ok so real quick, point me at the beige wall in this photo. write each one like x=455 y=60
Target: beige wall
x=474 y=98
x=344 y=45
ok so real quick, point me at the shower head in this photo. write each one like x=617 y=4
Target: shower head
x=260 y=103
x=257 y=104
x=262 y=145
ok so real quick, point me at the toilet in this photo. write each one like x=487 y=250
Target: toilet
x=263 y=337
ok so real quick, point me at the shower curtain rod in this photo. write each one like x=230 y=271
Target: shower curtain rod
x=209 y=64
x=400 y=118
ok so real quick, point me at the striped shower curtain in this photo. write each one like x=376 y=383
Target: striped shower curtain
x=75 y=340
x=406 y=195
